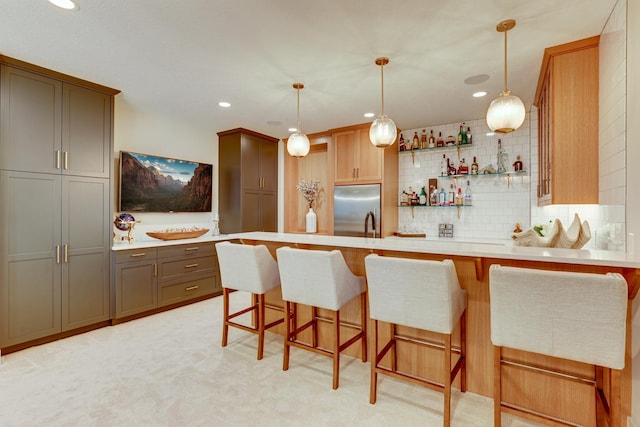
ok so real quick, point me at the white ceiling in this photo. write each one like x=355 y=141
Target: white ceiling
x=180 y=58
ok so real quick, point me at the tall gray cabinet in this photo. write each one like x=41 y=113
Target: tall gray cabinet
x=247 y=181
x=55 y=166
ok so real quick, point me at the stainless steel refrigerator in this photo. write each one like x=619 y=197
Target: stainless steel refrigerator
x=352 y=205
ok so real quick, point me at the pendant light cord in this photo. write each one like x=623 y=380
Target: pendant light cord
x=505 y=61
x=382 y=80
x=298 y=112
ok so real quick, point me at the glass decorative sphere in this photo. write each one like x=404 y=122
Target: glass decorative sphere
x=383 y=132
x=124 y=221
x=298 y=144
x=506 y=113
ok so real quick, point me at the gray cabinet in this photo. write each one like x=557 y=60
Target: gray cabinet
x=150 y=278
x=248 y=181
x=55 y=211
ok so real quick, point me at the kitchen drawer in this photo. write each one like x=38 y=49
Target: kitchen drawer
x=170 y=294
x=172 y=269
x=136 y=255
x=193 y=250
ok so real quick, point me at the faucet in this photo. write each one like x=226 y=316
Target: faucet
x=373 y=223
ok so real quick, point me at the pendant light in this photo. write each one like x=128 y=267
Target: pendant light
x=383 y=130
x=298 y=144
x=506 y=113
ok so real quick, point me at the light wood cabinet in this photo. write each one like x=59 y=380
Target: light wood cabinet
x=55 y=145
x=247 y=181
x=567 y=101
x=357 y=161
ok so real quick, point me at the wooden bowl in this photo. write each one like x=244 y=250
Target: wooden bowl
x=176 y=235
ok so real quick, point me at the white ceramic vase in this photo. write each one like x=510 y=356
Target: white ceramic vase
x=312 y=221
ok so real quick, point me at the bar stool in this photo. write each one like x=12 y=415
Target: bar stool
x=251 y=269
x=320 y=279
x=574 y=316
x=419 y=294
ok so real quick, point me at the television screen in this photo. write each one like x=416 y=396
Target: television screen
x=160 y=184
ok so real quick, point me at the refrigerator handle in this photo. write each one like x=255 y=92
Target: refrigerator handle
x=375 y=214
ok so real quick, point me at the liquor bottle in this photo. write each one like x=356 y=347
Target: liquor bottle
x=501 y=158
x=433 y=198
x=460 y=132
x=467 y=195
x=423 y=139
x=469 y=136
x=416 y=141
x=432 y=140
x=459 y=197
x=452 y=195
x=401 y=143
x=464 y=168
x=474 y=166
x=404 y=198
x=442 y=197
x=423 y=197
x=440 y=141
x=444 y=168
x=517 y=165
x=452 y=169
x=463 y=135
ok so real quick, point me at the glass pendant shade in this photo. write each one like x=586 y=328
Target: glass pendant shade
x=383 y=132
x=506 y=113
x=298 y=144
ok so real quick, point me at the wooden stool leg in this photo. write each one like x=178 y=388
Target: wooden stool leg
x=463 y=351
x=336 y=349
x=287 y=335
x=497 y=386
x=394 y=364
x=225 y=316
x=260 y=326
x=447 y=380
x=314 y=327
x=363 y=319
x=615 y=399
x=373 y=390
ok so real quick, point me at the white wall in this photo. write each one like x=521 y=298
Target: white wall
x=135 y=130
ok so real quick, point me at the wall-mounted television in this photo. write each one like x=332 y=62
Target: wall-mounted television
x=151 y=183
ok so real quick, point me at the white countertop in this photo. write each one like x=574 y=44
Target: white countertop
x=494 y=249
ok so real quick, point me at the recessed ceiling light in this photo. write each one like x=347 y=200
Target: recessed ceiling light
x=480 y=94
x=64 y=4
x=477 y=79
x=490 y=133
x=293 y=129
x=369 y=115
x=224 y=104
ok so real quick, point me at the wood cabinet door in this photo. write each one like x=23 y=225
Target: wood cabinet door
x=369 y=165
x=30 y=277
x=268 y=212
x=269 y=166
x=136 y=287
x=30 y=121
x=250 y=211
x=346 y=146
x=86 y=247
x=86 y=132
x=250 y=168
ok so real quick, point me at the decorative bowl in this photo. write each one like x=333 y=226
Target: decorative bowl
x=177 y=234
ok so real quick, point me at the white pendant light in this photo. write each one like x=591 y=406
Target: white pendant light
x=298 y=144
x=506 y=113
x=383 y=130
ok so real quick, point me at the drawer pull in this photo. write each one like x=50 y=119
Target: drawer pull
x=137 y=255
x=191 y=249
x=190 y=265
x=191 y=288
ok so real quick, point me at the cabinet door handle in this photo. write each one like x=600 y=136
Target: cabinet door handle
x=57 y=254
x=190 y=265
x=191 y=249
x=66 y=253
x=57 y=159
x=357 y=172
x=155 y=270
x=353 y=173
x=137 y=255
x=66 y=160
x=191 y=288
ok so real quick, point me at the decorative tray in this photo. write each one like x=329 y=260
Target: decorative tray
x=177 y=235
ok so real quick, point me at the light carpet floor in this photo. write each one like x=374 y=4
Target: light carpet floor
x=170 y=370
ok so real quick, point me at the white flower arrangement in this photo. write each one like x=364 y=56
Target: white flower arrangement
x=309 y=190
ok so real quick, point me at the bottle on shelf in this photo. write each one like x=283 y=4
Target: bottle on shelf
x=469 y=136
x=460 y=132
x=474 y=166
x=433 y=196
x=404 y=198
x=452 y=169
x=517 y=165
x=459 y=197
x=432 y=140
x=442 y=197
x=423 y=197
x=464 y=168
x=401 y=143
x=467 y=195
x=502 y=156
x=440 y=141
x=452 y=195
x=416 y=141
x=444 y=166
x=423 y=139
x=463 y=135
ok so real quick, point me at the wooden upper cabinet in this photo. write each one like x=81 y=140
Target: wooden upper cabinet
x=356 y=159
x=567 y=101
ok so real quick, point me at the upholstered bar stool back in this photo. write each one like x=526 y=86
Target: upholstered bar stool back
x=574 y=316
x=251 y=269
x=320 y=279
x=420 y=294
